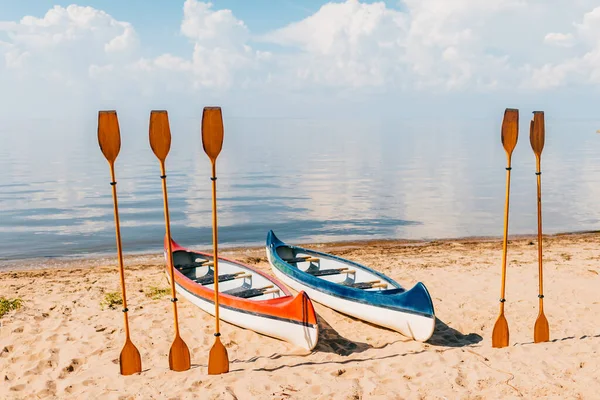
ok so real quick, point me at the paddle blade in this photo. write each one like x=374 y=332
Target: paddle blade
x=500 y=332
x=218 y=360
x=212 y=131
x=541 y=330
x=537 y=132
x=510 y=129
x=160 y=134
x=179 y=355
x=109 y=136
x=130 y=360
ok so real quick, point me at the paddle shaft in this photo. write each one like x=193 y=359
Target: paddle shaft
x=170 y=246
x=215 y=244
x=539 y=212
x=119 y=251
x=505 y=242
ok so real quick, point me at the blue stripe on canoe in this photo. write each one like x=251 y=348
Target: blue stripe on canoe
x=414 y=301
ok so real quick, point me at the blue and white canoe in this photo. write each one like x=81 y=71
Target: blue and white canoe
x=353 y=289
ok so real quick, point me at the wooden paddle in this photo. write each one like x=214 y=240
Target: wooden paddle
x=510 y=133
x=109 y=139
x=541 y=330
x=160 y=141
x=212 y=141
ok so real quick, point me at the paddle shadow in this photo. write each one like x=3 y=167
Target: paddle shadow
x=561 y=339
x=443 y=335
x=333 y=362
x=329 y=341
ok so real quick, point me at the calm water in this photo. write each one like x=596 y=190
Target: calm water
x=308 y=180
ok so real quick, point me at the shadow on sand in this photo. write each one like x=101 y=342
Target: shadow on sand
x=562 y=339
x=443 y=335
x=330 y=341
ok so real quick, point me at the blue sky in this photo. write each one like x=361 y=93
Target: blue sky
x=301 y=58
x=158 y=21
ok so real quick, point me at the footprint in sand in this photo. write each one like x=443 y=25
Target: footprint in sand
x=50 y=390
x=5 y=351
x=36 y=356
x=98 y=351
x=460 y=379
x=72 y=367
x=357 y=392
x=42 y=364
x=51 y=338
x=17 y=388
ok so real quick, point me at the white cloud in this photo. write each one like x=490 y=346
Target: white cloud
x=427 y=46
x=64 y=44
x=346 y=44
x=97 y=70
x=434 y=44
x=581 y=69
x=560 y=39
x=219 y=28
x=124 y=42
x=589 y=29
x=221 y=51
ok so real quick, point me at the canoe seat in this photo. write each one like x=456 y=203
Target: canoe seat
x=301 y=259
x=365 y=285
x=184 y=267
x=246 y=293
x=333 y=271
x=209 y=279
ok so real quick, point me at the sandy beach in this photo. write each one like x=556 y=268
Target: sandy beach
x=64 y=343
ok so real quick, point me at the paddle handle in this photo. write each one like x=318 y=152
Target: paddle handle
x=505 y=241
x=163 y=176
x=113 y=184
x=215 y=245
x=539 y=215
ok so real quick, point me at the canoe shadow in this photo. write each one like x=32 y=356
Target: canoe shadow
x=330 y=341
x=443 y=335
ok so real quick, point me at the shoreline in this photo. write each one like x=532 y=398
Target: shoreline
x=101 y=259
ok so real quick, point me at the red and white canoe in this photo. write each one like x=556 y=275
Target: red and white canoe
x=248 y=298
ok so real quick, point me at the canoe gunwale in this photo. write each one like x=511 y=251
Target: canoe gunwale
x=245 y=311
x=269 y=308
x=378 y=274
x=280 y=285
x=388 y=299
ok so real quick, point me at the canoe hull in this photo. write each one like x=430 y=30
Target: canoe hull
x=303 y=336
x=289 y=318
x=417 y=323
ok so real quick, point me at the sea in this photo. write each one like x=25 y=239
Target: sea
x=308 y=180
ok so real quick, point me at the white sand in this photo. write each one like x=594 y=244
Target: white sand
x=61 y=344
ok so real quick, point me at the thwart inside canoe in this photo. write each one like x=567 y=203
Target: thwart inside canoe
x=234 y=279
x=335 y=270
